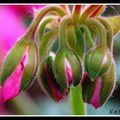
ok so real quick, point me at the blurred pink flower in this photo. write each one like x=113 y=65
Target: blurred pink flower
x=24 y=10
x=12 y=26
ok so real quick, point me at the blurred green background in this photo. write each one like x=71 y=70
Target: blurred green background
x=35 y=102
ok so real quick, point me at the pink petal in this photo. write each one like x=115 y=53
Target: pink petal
x=85 y=74
x=1 y=100
x=68 y=72
x=11 y=86
x=95 y=98
x=58 y=96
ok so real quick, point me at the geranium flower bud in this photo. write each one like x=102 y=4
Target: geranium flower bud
x=67 y=68
x=99 y=91
x=48 y=81
x=18 y=69
x=98 y=61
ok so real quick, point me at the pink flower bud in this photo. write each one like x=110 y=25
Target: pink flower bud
x=48 y=81
x=99 y=91
x=67 y=68
x=18 y=69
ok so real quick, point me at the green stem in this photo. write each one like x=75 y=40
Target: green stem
x=31 y=30
x=76 y=100
x=109 y=32
x=88 y=35
x=80 y=47
x=63 y=24
x=96 y=25
x=43 y=24
x=48 y=40
x=76 y=13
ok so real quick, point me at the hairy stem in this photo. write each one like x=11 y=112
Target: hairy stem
x=87 y=35
x=98 y=26
x=109 y=32
x=80 y=47
x=63 y=24
x=47 y=42
x=76 y=100
x=43 y=24
x=31 y=30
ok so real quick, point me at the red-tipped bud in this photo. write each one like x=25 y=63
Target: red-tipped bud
x=18 y=69
x=99 y=91
x=67 y=68
x=48 y=81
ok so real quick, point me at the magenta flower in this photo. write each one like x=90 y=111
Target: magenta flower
x=23 y=10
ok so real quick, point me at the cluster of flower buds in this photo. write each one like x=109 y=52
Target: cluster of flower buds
x=32 y=57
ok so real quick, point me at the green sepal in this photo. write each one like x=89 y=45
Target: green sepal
x=70 y=33
x=75 y=39
x=88 y=88
x=80 y=47
x=44 y=83
x=49 y=62
x=13 y=58
x=47 y=42
x=76 y=68
x=109 y=31
x=31 y=66
x=94 y=62
x=59 y=68
x=108 y=84
x=88 y=35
